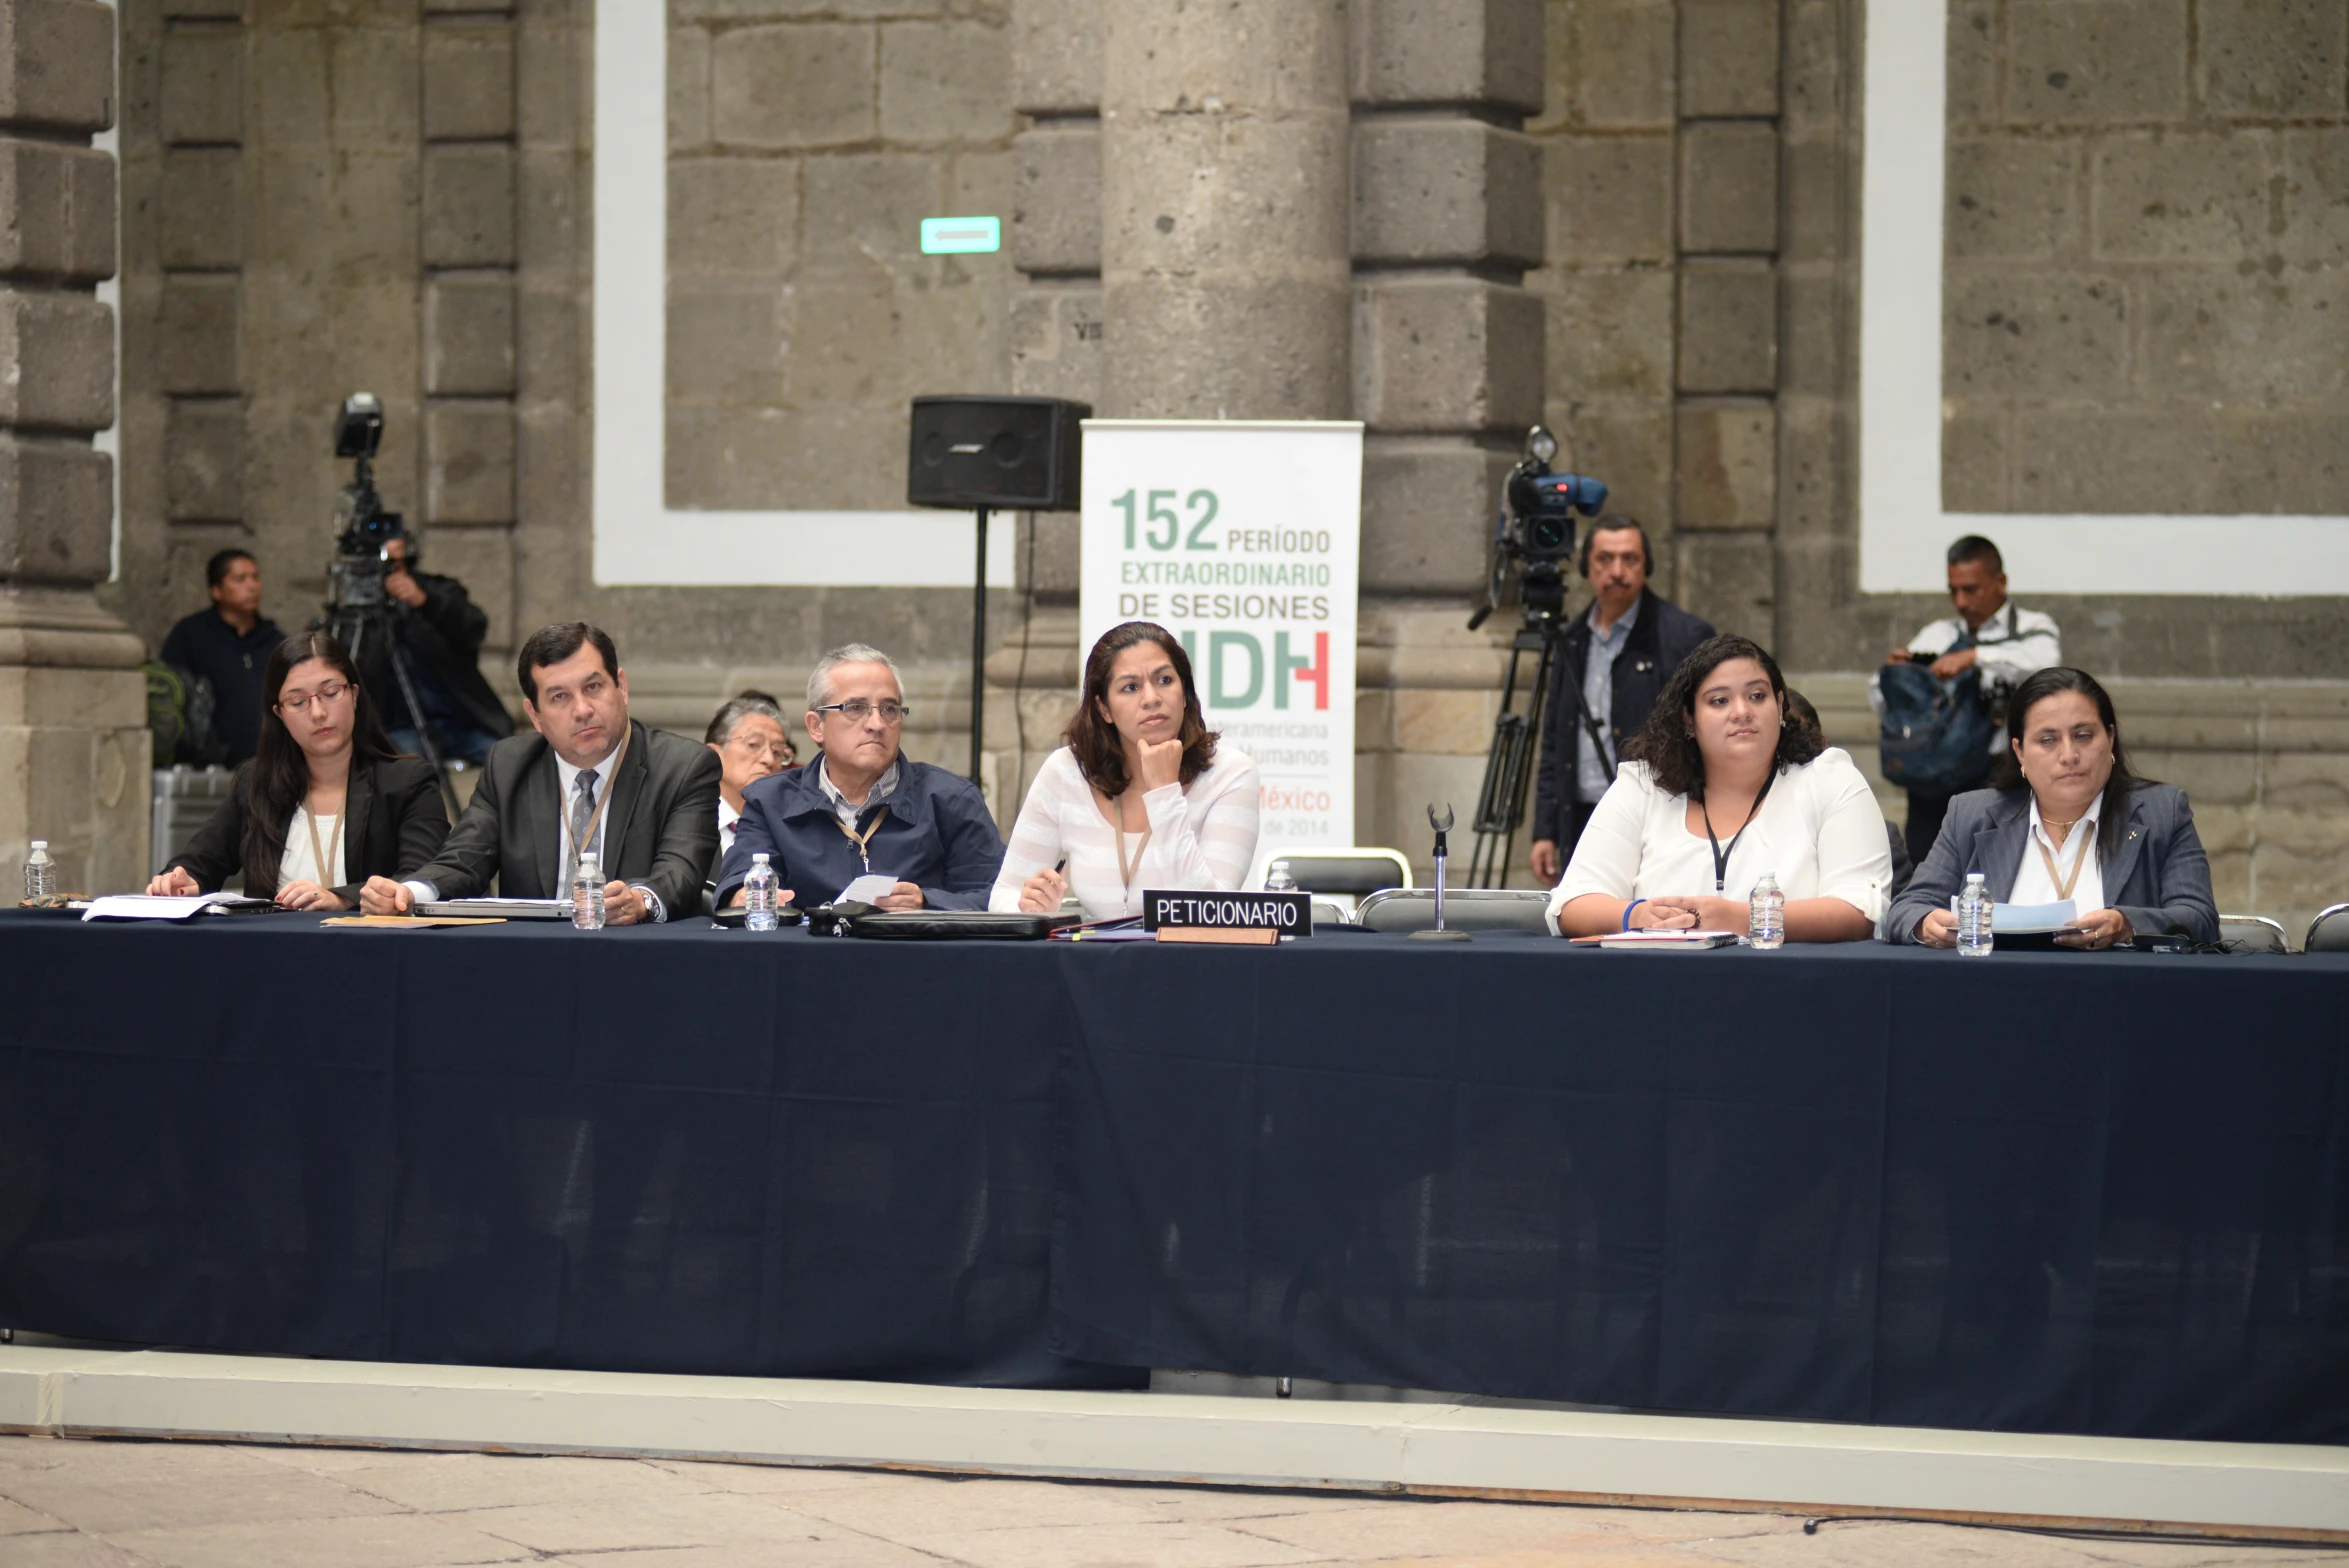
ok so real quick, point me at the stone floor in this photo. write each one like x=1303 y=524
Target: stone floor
x=78 y=1504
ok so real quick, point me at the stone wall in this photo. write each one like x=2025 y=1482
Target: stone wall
x=73 y=738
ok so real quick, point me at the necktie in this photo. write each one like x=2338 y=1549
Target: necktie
x=582 y=816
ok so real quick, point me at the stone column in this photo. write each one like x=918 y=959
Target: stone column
x=73 y=737
x=1224 y=210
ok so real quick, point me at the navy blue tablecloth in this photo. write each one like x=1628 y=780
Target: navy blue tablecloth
x=2101 y=1193
x=655 y=1149
x=2094 y=1193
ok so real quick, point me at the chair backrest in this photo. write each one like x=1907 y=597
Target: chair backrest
x=2254 y=933
x=2329 y=931
x=1326 y=912
x=1355 y=871
x=1465 y=909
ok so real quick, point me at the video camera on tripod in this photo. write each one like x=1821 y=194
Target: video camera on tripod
x=358 y=609
x=354 y=578
x=1535 y=536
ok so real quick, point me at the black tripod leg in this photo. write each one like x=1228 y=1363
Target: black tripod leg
x=424 y=736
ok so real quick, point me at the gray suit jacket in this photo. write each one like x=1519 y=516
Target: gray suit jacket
x=660 y=830
x=2159 y=877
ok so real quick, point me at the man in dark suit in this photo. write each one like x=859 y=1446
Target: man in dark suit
x=644 y=801
x=1611 y=663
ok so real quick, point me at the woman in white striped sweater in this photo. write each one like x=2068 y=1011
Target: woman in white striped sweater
x=1140 y=796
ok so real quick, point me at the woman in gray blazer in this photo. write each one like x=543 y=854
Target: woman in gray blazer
x=2072 y=823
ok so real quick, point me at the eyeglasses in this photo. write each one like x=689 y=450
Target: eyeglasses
x=749 y=746
x=299 y=702
x=860 y=710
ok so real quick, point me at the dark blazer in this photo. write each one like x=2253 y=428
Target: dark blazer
x=2159 y=877
x=445 y=634
x=660 y=829
x=393 y=824
x=1663 y=635
x=939 y=835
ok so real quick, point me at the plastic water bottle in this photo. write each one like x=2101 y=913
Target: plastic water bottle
x=40 y=872
x=1766 y=918
x=1974 y=937
x=1278 y=880
x=758 y=896
x=587 y=895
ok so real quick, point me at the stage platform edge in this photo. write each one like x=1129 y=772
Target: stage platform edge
x=1416 y=1445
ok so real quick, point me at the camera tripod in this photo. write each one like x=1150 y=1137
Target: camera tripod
x=352 y=625
x=1517 y=737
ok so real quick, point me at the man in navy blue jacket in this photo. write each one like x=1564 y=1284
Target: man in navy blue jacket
x=861 y=808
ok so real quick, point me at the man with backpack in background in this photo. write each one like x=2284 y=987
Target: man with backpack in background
x=228 y=647
x=1942 y=699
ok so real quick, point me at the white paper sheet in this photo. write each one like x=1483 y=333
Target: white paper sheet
x=140 y=906
x=869 y=889
x=2029 y=919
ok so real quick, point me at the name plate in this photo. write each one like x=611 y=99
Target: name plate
x=1243 y=918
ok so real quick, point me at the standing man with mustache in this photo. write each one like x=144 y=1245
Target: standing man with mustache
x=644 y=801
x=1611 y=663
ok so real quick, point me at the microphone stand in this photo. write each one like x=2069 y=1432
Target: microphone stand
x=1442 y=825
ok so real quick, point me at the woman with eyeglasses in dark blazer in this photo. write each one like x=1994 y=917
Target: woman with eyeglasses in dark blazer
x=324 y=804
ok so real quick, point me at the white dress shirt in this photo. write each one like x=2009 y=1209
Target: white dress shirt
x=1819 y=830
x=299 y=864
x=2032 y=883
x=727 y=818
x=1202 y=836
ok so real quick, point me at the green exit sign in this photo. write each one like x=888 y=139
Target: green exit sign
x=960 y=236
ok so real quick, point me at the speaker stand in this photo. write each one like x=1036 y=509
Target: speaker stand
x=979 y=648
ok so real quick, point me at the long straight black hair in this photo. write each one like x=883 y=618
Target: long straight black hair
x=281 y=772
x=2112 y=816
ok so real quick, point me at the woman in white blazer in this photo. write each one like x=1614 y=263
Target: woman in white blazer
x=1721 y=788
x=1142 y=796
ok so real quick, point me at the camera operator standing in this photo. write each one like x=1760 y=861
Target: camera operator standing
x=1611 y=663
x=229 y=645
x=438 y=629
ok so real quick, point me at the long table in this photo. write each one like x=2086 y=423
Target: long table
x=2094 y=1193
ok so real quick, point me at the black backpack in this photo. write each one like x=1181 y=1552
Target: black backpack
x=1936 y=735
x=180 y=707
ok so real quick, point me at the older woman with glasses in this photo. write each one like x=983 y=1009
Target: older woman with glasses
x=324 y=804
x=747 y=734
x=863 y=809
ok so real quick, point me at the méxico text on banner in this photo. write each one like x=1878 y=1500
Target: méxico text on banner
x=1244 y=540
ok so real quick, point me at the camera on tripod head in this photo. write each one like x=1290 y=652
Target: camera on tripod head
x=362 y=528
x=1536 y=529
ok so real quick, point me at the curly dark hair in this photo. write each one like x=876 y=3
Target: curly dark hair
x=1100 y=756
x=1667 y=742
x=2112 y=814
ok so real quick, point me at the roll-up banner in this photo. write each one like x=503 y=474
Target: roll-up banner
x=1244 y=540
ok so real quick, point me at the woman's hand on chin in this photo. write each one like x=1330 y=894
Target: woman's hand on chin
x=308 y=895
x=1162 y=764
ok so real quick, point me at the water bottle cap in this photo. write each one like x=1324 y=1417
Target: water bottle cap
x=40 y=843
x=1973 y=876
x=758 y=860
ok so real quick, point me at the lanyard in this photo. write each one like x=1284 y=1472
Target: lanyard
x=1720 y=855
x=1117 y=833
x=611 y=787
x=334 y=844
x=2064 y=885
x=864 y=841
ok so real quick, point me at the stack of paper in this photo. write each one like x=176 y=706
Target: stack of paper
x=141 y=906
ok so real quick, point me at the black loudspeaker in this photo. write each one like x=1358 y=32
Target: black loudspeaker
x=1001 y=452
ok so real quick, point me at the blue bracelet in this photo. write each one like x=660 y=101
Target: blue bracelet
x=1628 y=908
